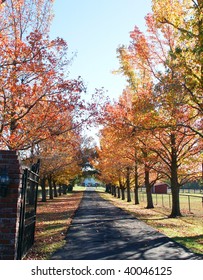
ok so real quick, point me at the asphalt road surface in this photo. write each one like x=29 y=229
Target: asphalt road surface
x=101 y=231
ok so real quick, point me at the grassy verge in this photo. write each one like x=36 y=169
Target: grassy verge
x=53 y=219
x=187 y=230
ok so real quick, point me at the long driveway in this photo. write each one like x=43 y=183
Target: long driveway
x=101 y=231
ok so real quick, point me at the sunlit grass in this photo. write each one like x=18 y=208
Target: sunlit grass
x=78 y=188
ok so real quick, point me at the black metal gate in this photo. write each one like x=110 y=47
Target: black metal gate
x=28 y=212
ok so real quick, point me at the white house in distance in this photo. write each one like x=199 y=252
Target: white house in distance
x=89 y=182
x=89 y=171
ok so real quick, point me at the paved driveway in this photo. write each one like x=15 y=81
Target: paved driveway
x=101 y=231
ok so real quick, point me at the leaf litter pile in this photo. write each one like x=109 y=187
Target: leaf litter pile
x=53 y=219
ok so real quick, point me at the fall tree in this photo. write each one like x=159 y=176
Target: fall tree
x=184 y=18
x=126 y=149
x=35 y=90
x=140 y=108
x=159 y=104
x=41 y=109
x=59 y=161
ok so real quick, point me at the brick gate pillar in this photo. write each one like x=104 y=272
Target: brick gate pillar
x=10 y=206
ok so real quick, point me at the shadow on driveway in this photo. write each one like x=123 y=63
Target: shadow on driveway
x=101 y=231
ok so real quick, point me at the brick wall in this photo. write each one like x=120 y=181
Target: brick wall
x=10 y=206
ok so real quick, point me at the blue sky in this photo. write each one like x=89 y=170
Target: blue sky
x=94 y=29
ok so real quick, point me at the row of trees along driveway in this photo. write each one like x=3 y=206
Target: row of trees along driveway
x=155 y=128
x=41 y=109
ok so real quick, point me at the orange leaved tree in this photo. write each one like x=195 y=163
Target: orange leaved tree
x=159 y=102
x=184 y=19
x=35 y=91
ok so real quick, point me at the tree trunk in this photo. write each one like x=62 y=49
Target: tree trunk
x=50 y=188
x=121 y=188
x=128 y=185
x=136 y=185
x=175 y=211
x=136 y=196
x=112 y=189
x=119 y=192
x=55 y=189
x=123 y=193
x=148 y=189
x=115 y=189
x=59 y=190
x=43 y=186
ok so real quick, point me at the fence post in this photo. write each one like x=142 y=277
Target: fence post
x=189 y=203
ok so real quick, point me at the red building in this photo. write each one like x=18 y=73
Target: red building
x=160 y=188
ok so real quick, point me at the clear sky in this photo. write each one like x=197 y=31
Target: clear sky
x=94 y=29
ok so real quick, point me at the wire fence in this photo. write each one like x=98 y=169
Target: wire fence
x=189 y=203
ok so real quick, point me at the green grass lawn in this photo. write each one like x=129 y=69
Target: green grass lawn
x=189 y=203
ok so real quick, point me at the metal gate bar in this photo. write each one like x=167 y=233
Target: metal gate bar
x=28 y=212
